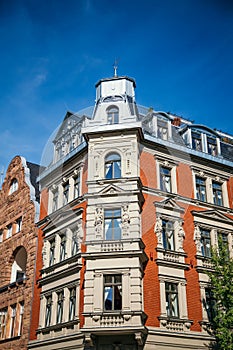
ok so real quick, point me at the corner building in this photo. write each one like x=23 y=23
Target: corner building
x=130 y=207
x=19 y=210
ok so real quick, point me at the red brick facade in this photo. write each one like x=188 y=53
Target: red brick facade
x=17 y=248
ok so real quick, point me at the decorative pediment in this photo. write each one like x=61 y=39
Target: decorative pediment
x=212 y=215
x=110 y=190
x=57 y=219
x=169 y=204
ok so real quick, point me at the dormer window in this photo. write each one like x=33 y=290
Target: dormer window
x=14 y=186
x=196 y=141
x=162 y=129
x=212 y=146
x=112 y=115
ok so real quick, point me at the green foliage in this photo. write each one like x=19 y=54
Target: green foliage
x=222 y=288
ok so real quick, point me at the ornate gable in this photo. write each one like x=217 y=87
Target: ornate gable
x=169 y=204
x=110 y=190
x=212 y=215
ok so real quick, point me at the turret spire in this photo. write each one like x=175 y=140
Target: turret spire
x=115 y=66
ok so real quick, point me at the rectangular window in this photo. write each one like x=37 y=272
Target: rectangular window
x=171 y=290
x=60 y=299
x=52 y=252
x=224 y=240
x=200 y=189
x=55 y=200
x=112 y=292
x=77 y=186
x=63 y=247
x=9 y=231
x=18 y=224
x=205 y=243
x=209 y=304
x=72 y=304
x=48 y=311
x=217 y=193
x=3 y=314
x=12 y=323
x=165 y=179
x=168 y=235
x=21 y=311
x=74 y=248
x=112 y=224
x=66 y=187
x=196 y=141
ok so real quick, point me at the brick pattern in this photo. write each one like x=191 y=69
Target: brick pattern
x=12 y=206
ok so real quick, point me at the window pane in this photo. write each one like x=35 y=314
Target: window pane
x=165 y=179
x=209 y=304
x=217 y=193
x=48 y=311
x=205 y=243
x=168 y=235
x=59 y=307
x=113 y=166
x=72 y=303
x=76 y=186
x=201 y=189
x=212 y=146
x=63 y=248
x=113 y=115
x=112 y=224
x=112 y=292
x=171 y=299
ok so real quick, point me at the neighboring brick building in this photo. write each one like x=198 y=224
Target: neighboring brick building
x=19 y=208
x=130 y=207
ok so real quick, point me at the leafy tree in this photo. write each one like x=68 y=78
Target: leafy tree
x=221 y=280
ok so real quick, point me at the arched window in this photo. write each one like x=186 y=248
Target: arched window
x=14 y=186
x=113 y=166
x=18 y=269
x=113 y=115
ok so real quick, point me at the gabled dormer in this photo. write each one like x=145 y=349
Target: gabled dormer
x=68 y=136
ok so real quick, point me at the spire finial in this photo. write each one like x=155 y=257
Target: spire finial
x=115 y=66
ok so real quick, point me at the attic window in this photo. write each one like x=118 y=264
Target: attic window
x=14 y=186
x=112 y=115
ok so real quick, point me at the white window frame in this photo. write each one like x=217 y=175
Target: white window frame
x=182 y=299
x=171 y=165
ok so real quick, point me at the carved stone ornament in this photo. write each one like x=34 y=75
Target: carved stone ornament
x=181 y=235
x=158 y=231
x=197 y=238
x=125 y=218
x=99 y=221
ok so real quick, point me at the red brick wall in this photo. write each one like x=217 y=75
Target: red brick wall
x=18 y=204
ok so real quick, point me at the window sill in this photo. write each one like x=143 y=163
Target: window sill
x=9 y=339
x=69 y=260
x=58 y=327
x=18 y=283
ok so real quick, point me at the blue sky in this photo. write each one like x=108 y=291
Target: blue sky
x=180 y=53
